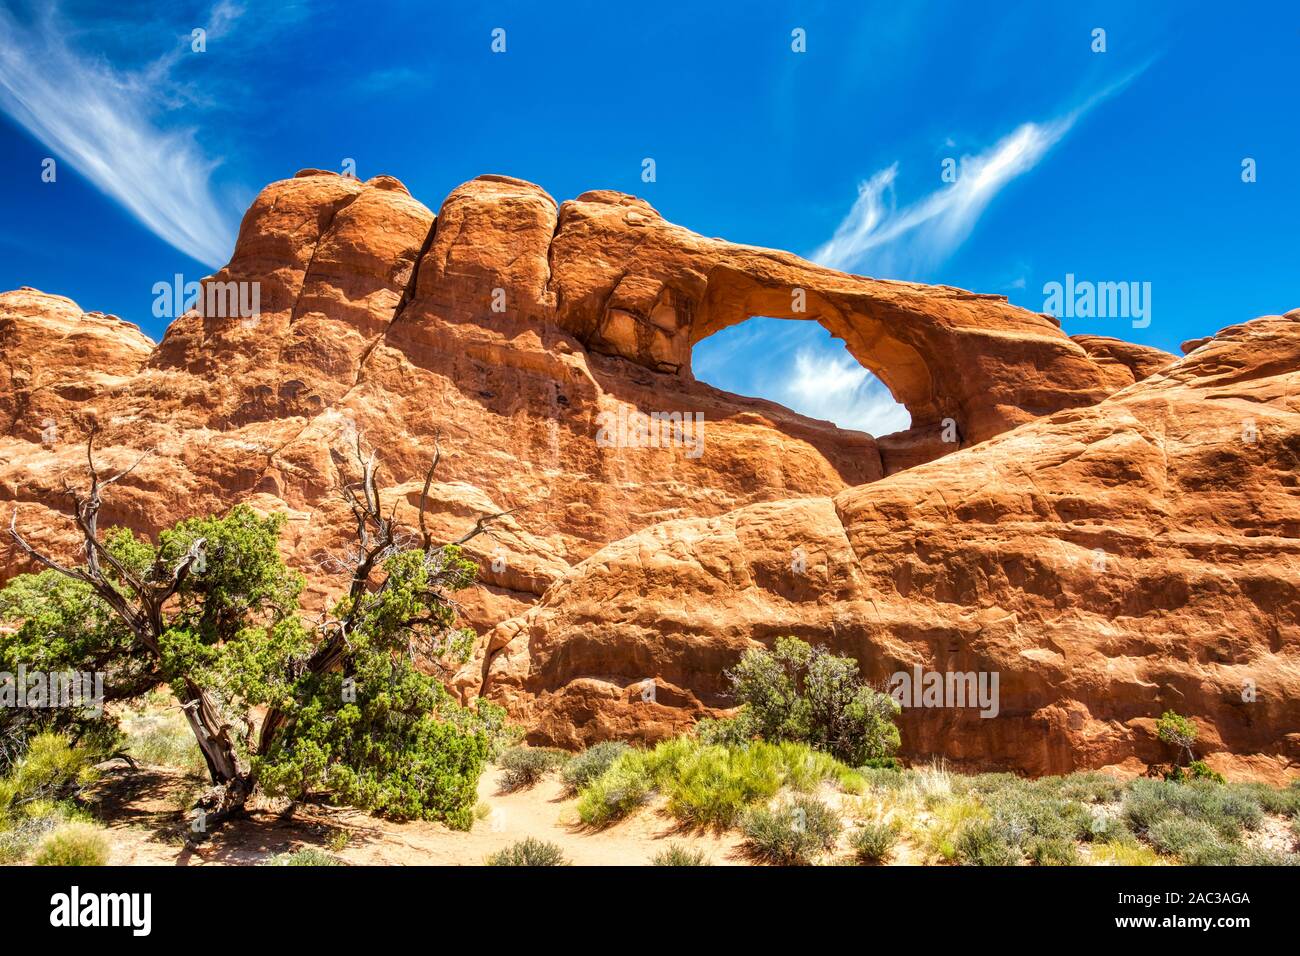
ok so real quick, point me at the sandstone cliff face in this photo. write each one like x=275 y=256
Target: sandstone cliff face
x=516 y=328
x=1108 y=563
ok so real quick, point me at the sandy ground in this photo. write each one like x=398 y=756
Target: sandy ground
x=141 y=810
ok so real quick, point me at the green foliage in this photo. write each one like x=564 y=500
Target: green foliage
x=306 y=856
x=792 y=834
x=523 y=767
x=874 y=841
x=806 y=694
x=389 y=751
x=25 y=826
x=582 y=769
x=529 y=852
x=725 y=732
x=1194 y=842
x=73 y=844
x=387 y=737
x=1052 y=851
x=1229 y=810
x=707 y=785
x=986 y=843
x=714 y=785
x=623 y=787
x=882 y=763
x=490 y=719
x=373 y=730
x=1176 y=731
x=56 y=625
x=1121 y=852
x=1196 y=770
x=50 y=769
x=678 y=855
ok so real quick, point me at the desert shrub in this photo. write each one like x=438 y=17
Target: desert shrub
x=1283 y=801
x=1258 y=856
x=26 y=825
x=873 y=842
x=806 y=694
x=529 y=852
x=305 y=856
x=1085 y=787
x=793 y=834
x=1026 y=810
x=715 y=785
x=949 y=817
x=1228 y=810
x=883 y=778
x=50 y=768
x=72 y=844
x=708 y=785
x=985 y=843
x=1178 y=732
x=725 y=732
x=524 y=766
x=985 y=783
x=1196 y=770
x=1124 y=853
x=1051 y=851
x=591 y=763
x=1194 y=842
x=626 y=785
x=1103 y=828
x=677 y=855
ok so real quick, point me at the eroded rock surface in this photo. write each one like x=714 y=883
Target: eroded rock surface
x=518 y=331
x=1107 y=563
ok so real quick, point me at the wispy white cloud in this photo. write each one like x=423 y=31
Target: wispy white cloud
x=107 y=124
x=798 y=365
x=878 y=237
x=840 y=390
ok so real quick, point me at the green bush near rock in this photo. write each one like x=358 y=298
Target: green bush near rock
x=529 y=852
x=873 y=842
x=73 y=844
x=585 y=767
x=677 y=855
x=524 y=767
x=792 y=834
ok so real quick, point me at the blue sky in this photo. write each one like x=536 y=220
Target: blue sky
x=1115 y=166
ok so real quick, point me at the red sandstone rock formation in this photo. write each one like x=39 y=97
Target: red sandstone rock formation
x=515 y=328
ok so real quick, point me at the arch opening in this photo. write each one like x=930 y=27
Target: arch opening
x=798 y=364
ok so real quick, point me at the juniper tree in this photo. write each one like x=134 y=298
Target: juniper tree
x=211 y=610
